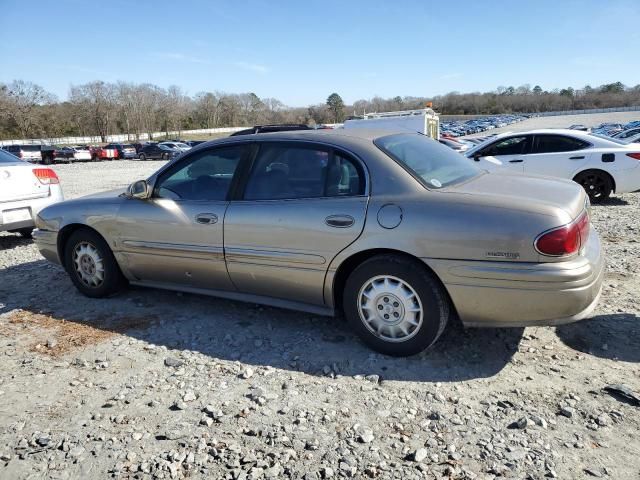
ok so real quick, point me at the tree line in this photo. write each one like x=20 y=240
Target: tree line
x=100 y=108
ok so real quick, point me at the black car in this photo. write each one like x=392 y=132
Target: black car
x=155 y=151
x=285 y=127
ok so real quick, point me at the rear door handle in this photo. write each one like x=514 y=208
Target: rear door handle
x=340 y=221
x=516 y=161
x=580 y=157
x=206 y=218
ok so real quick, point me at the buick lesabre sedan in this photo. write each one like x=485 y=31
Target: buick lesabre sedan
x=395 y=230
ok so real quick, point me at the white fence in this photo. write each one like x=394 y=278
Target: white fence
x=122 y=137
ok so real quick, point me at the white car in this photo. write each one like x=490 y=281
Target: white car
x=627 y=134
x=177 y=146
x=600 y=164
x=25 y=189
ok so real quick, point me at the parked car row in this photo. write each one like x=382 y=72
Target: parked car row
x=48 y=154
x=478 y=125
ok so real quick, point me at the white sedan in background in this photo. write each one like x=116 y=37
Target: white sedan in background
x=600 y=164
x=25 y=189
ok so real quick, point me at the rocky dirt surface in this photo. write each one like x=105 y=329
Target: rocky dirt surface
x=154 y=384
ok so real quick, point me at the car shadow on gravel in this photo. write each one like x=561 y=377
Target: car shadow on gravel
x=613 y=336
x=253 y=334
x=611 y=201
x=12 y=240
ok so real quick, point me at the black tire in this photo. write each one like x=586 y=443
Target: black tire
x=165 y=156
x=428 y=291
x=46 y=160
x=26 y=232
x=112 y=281
x=142 y=157
x=596 y=183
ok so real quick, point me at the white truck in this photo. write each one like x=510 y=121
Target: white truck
x=424 y=121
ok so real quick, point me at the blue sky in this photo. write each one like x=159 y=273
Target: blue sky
x=300 y=52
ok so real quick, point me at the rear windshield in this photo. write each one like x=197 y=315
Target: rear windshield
x=435 y=165
x=128 y=145
x=30 y=148
x=6 y=157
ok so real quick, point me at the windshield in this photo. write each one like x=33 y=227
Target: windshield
x=182 y=145
x=435 y=165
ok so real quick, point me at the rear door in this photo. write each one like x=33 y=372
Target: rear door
x=506 y=152
x=176 y=236
x=302 y=204
x=557 y=155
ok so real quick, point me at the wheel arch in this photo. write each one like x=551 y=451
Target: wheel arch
x=351 y=263
x=598 y=170
x=66 y=232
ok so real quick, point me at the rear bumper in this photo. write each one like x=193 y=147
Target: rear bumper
x=514 y=294
x=628 y=180
x=33 y=204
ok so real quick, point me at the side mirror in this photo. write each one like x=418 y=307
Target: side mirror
x=476 y=157
x=139 y=189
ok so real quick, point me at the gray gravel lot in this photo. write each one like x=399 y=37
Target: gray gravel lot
x=155 y=384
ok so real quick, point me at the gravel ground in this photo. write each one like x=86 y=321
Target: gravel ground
x=154 y=384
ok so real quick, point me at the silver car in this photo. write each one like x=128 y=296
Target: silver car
x=395 y=230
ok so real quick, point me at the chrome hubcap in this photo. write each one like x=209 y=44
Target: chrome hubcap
x=89 y=264
x=390 y=308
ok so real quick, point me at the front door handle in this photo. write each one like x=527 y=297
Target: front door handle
x=516 y=161
x=580 y=157
x=340 y=221
x=207 y=218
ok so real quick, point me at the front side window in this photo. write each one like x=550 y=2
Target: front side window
x=507 y=146
x=290 y=172
x=204 y=176
x=434 y=164
x=557 y=144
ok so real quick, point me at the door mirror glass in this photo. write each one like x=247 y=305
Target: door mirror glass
x=139 y=189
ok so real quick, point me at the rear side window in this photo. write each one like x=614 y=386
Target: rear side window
x=507 y=146
x=556 y=144
x=290 y=172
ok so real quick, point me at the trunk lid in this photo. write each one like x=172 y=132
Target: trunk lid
x=531 y=193
x=17 y=182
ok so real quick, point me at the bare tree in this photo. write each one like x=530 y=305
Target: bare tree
x=23 y=101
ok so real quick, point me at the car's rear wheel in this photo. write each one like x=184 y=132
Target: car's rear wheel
x=596 y=183
x=142 y=157
x=395 y=305
x=91 y=265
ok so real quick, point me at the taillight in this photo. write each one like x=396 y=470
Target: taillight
x=565 y=240
x=634 y=155
x=20 y=154
x=46 y=176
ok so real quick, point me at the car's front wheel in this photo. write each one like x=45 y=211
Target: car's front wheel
x=91 y=265
x=395 y=305
x=142 y=157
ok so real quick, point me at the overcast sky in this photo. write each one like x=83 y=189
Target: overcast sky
x=300 y=52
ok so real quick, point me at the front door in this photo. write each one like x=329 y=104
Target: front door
x=506 y=153
x=301 y=206
x=176 y=236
